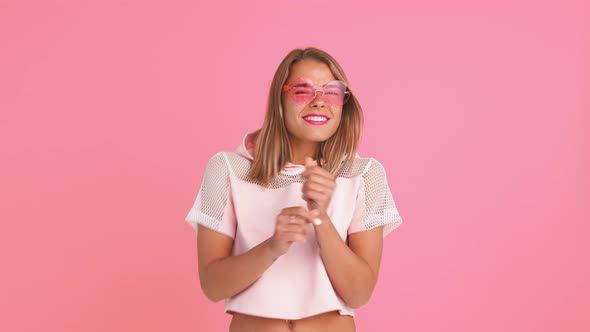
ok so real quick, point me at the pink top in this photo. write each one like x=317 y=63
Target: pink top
x=296 y=285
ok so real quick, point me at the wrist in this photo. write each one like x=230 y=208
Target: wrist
x=269 y=251
x=323 y=217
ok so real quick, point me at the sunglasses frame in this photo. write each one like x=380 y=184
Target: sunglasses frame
x=288 y=87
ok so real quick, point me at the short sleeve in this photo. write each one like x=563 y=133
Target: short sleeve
x=213 y=207
x=374 y=202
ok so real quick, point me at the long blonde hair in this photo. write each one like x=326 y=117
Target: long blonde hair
x=273 y=148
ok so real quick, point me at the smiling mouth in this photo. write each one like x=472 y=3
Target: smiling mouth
x=316 y=119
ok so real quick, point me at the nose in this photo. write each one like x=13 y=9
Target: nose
x=318 y=100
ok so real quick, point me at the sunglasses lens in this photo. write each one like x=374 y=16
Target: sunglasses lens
x=334 y=93
x=302 y=94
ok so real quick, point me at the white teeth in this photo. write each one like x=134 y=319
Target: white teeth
x=316 y=118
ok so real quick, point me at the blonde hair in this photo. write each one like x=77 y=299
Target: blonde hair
x=273 y=149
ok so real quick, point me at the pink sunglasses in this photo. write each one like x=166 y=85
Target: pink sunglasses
x=302 y=91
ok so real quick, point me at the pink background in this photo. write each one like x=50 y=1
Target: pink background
x=109 y=111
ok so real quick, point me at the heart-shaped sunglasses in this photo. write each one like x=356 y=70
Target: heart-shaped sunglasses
x=302 y=91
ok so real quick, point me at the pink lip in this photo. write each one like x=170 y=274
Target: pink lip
x=316 y=123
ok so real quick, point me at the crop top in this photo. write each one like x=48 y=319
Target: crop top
x=296 y=285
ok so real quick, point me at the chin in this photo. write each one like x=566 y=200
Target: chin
x=318 y=137
x=307 y=133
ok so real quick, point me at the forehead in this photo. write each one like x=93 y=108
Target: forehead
x=318 y=72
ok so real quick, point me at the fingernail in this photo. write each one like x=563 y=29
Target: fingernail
x=317 y=221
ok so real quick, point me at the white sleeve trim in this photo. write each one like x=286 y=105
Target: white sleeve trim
x=389 y=218
x=197 y=217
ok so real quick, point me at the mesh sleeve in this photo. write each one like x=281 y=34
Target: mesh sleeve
x=374 y=203
x=213 y=207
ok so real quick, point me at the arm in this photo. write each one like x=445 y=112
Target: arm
x=353 y=269
x=223 y=275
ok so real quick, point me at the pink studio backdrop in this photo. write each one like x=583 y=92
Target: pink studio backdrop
x=109 y=111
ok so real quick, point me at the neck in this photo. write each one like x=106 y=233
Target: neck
x=300 y=150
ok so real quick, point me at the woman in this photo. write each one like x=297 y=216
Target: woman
x=291 y=224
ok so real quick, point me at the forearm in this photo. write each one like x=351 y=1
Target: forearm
x=230 y=275
x=350 y=275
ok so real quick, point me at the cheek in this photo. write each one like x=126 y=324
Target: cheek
x=291 y=105
x=337 y=118
x=291 y=111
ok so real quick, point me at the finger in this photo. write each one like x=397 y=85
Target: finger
x=296 y=220
x=317 y=172
x=286 y=219
x=292 y=237
x=298 y=211
x=309 y=162
x=304 y=230
x=317 y=187
x=292 y=220
x=312 y=170
x=314 y=195
x=327 y=179
x=311 y=203
x=293 y=210
x=328 y=189
x=296 y=228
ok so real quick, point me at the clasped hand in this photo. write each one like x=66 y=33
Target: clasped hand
x=292 y=222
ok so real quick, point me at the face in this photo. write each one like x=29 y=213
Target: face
x=317 y=119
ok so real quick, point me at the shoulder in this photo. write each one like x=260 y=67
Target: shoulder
x=217 y=165
x=228 y=157
x=363 y=166
x=217 y=160
x=229 y=163
x=375 y=168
